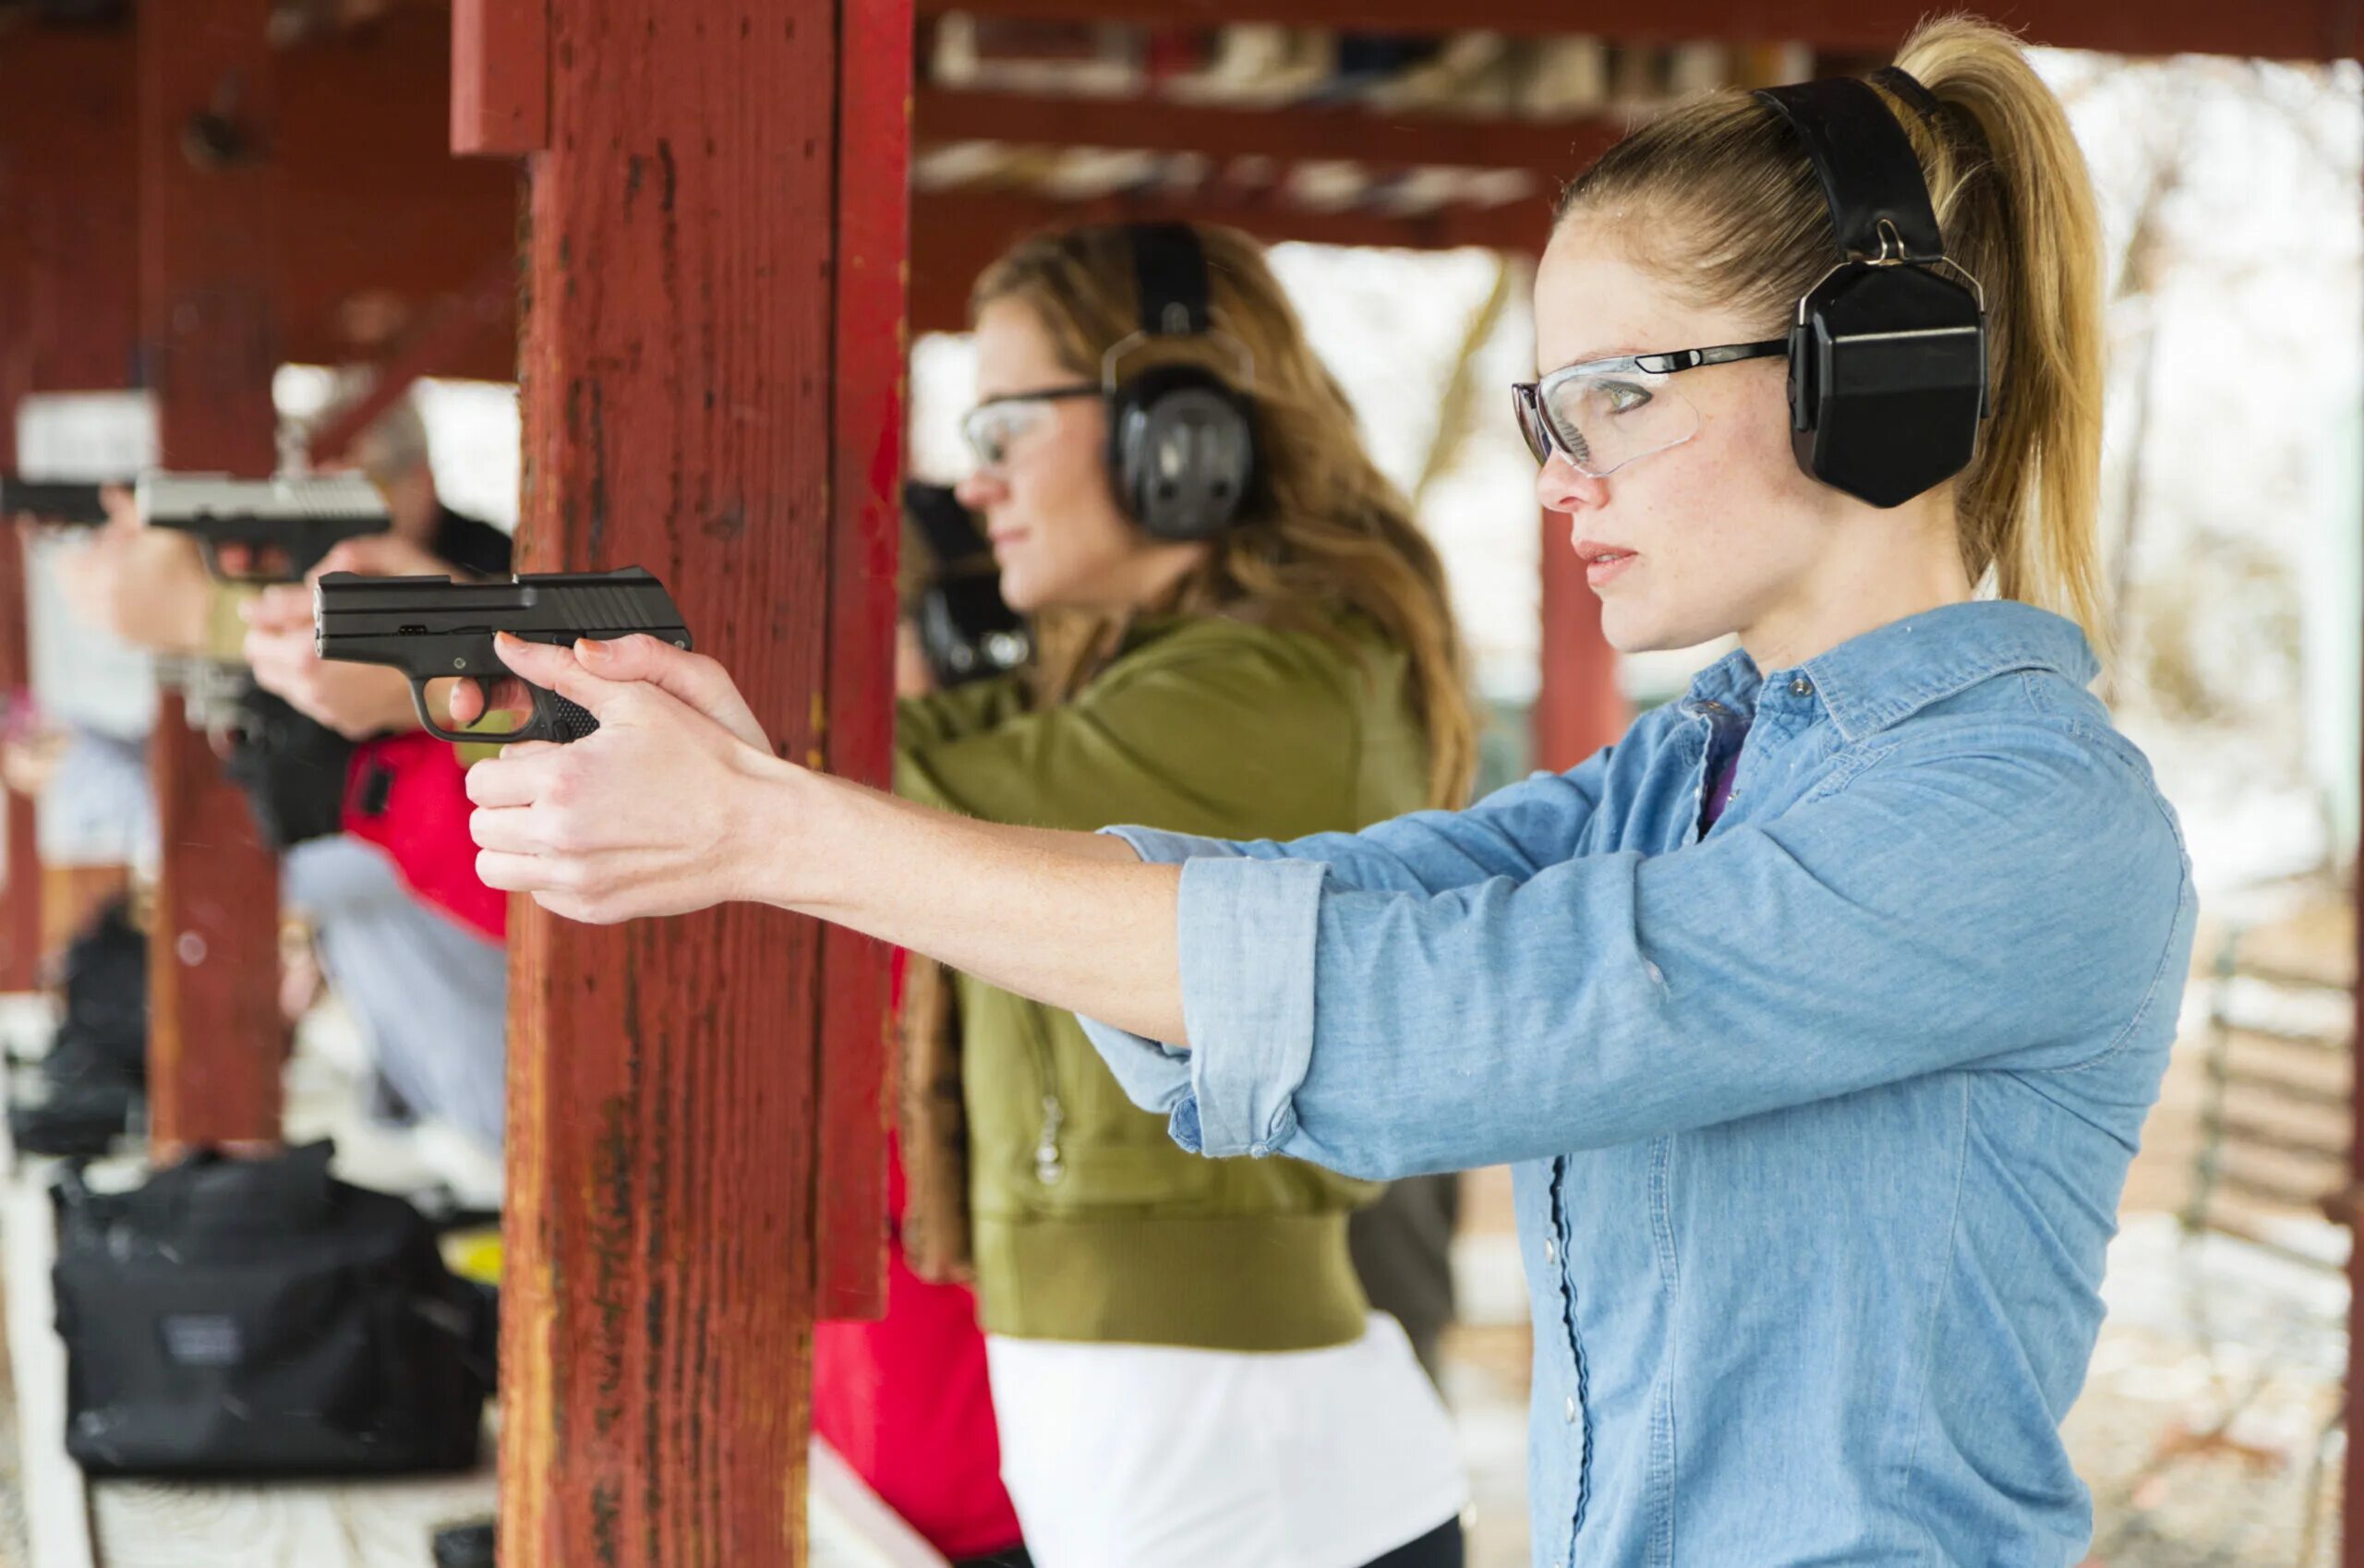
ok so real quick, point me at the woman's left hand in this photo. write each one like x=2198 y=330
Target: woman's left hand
x=649 y=814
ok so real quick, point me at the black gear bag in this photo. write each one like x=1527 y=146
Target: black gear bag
x=260 y=1318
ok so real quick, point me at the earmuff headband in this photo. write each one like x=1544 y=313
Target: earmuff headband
x=1872 y=179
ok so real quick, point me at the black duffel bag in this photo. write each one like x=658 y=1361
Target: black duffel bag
x=258 y=1317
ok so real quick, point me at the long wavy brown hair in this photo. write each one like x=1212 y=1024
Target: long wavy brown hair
x=1322 y=535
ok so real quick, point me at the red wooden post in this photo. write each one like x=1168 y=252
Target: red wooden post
x=874 y=240
x=1578 y=708
x=680 y=348
x=68 y=131
x=208 y=217
x=20 y=925
x=21 y=898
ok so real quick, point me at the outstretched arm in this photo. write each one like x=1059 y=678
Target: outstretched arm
x=677 y=803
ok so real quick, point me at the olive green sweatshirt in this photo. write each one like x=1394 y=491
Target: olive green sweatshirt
x=1089 y=1223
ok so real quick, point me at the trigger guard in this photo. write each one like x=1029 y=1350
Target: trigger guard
x=537 y=727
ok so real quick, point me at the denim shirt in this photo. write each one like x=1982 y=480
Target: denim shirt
x=1821 y=1119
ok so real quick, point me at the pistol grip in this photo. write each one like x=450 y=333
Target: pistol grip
x=559 y=718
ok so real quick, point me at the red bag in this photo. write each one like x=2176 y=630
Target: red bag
x=409 y=795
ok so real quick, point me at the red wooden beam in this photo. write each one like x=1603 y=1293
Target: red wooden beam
x=500 y=75
x=658 y=1282
x=1553 y=150
x=955 y=233
x=209 y=208
x=865 y=531
x=1578 y=705
x=2296 y=30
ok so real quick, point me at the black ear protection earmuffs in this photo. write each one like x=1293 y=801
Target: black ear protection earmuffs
x=966 y=629
x=1181 y=439
x=1887 y=353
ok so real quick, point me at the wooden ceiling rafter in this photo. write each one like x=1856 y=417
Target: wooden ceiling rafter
x=1551 y=150
x=2296 y=30
x=957 y=233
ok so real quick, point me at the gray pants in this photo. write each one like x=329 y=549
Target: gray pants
x=431 y=995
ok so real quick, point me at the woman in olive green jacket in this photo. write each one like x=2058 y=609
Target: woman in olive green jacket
x=1290 y=668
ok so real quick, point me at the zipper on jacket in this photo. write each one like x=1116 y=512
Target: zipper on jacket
x=1048 y=1167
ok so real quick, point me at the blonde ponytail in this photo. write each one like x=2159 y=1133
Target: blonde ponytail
x=2016 y=206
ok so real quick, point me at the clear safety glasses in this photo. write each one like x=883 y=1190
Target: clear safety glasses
x=992 y=428
x=1604 y=414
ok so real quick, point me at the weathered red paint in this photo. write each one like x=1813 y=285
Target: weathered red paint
x=676 y=378
x=500 y=77
x=1578 y=708
x=215 y=1038
x=873 y=237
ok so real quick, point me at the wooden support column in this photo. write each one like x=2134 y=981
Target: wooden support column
x=681 y=413
x=873 y=243
x=21 y=906
x=1578 y=708
x=208 y=205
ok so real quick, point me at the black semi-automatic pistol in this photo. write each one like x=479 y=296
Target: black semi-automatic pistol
x=285 y=524
x=53 y=504
x=431 y=628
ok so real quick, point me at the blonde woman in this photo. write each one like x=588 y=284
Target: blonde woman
x=1822 y=1012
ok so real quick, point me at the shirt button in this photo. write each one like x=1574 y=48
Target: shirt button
x=1711 y=708
x=1801 y=687
x=1550 y=1251
x=1572 y=1412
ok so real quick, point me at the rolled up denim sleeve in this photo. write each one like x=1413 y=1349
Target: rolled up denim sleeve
x=2021 y=908
x=1247 y=928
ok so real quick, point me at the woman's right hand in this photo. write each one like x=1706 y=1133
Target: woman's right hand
x=694 y=679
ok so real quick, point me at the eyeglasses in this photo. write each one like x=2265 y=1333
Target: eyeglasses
x=1603 y=413
x=993 y=427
